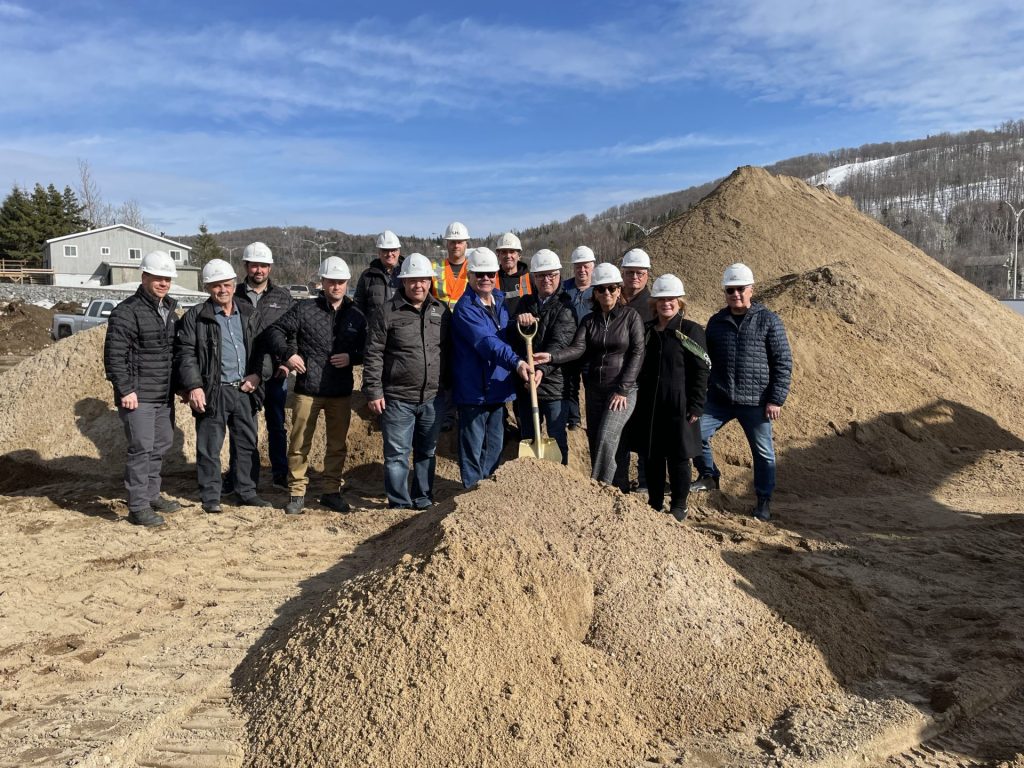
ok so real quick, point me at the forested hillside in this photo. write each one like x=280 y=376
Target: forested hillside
x=947 y=194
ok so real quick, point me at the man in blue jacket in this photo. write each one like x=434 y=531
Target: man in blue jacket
x=482 y=377
x=751 y=369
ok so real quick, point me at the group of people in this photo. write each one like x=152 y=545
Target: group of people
x=442 y=345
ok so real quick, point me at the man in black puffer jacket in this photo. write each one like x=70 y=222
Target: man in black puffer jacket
x=320 y=339
x=751 y=370
x=222 y=379
x=556 y=325
x=137 y=359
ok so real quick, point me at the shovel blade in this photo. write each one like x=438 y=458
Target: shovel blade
x=549 y=450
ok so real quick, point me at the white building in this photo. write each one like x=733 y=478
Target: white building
x=111 y=255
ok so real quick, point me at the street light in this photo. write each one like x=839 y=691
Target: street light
x=321 y=248
x=230 y=251
x=1016 y=237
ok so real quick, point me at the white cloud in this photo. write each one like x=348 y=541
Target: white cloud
x=14 y=11
x=944 y=64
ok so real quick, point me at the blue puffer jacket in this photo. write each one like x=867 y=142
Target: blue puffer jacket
x=751 y=363
x=484 y=364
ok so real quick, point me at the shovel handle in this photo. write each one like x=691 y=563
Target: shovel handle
x=537 y=447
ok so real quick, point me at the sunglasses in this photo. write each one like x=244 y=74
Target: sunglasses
x=736 y=288
x=482 y=275
x=607 y=288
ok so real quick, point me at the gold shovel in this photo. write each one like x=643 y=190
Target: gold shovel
x=539 y=447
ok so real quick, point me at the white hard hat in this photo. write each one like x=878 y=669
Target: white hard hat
x=508 y=241
x=483 y=260
x=544 y=261
x=388 y=241
x=416 y=265
x=217 y=270
x=456 y=231
x=667 y=287
x=159 y=264
x=257 y=253
x=583 y=254
x=334 y=268
x=737 y=274
x=606 y=274
x=636 y=258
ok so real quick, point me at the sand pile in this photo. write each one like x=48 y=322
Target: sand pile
x=579 y=629
x=57 y=413
x=899 y=365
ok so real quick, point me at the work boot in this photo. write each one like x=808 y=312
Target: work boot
x=164 y=505
x=212 y=507
x=679 y=512
x=146 y=517
x=763 y=510
x=295 y=505
x=250 y=501
x=704 y=483
x=335 y=501
x=227 y=484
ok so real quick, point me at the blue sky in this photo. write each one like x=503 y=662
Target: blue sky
x=363 y=116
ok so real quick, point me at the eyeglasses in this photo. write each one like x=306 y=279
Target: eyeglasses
x=736 y=288
x=546 y=275
x=607 y=288
x=482 y=275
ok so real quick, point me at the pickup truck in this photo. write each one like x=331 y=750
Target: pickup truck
x=96 y=313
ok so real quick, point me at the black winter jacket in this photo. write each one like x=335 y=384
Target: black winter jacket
x=612 y=345
x=375 y=287
x=197 y=349
x=407 y=351
x=138 y=350
x=315 y=331
x=556 y=328
x=751 y=363
x=671 y=386
x=276 y=300
x=642 y=304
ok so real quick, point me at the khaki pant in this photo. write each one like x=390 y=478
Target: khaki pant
x=337 y=414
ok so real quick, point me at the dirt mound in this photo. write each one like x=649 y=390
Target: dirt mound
x=899 y=365
x=552 y=634
x=24 y=328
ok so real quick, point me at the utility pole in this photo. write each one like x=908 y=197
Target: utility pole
x=230 y=251
x=321 y=247
x=1016 y=237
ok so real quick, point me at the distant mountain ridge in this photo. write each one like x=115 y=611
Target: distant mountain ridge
x=943 y=193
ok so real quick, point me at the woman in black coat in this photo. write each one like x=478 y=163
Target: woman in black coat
x=672 y=386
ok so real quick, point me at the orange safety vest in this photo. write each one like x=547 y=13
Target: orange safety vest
x=449 y=287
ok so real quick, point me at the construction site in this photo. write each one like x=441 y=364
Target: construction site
x=543 y=619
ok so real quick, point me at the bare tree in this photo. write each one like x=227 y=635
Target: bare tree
x=131 y=214
x=95 y=210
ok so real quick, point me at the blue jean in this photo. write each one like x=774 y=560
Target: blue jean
x=414 y=427
x=757 y=428
x=554 y=413
x=481 y=438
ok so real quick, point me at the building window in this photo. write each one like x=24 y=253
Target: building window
x=105 y=250
x=134 y=253
x=176 y=255
x=71 y=251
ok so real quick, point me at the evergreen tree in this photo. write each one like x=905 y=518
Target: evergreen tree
x=20 y=234
x=73 y=213
x=205 y=247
